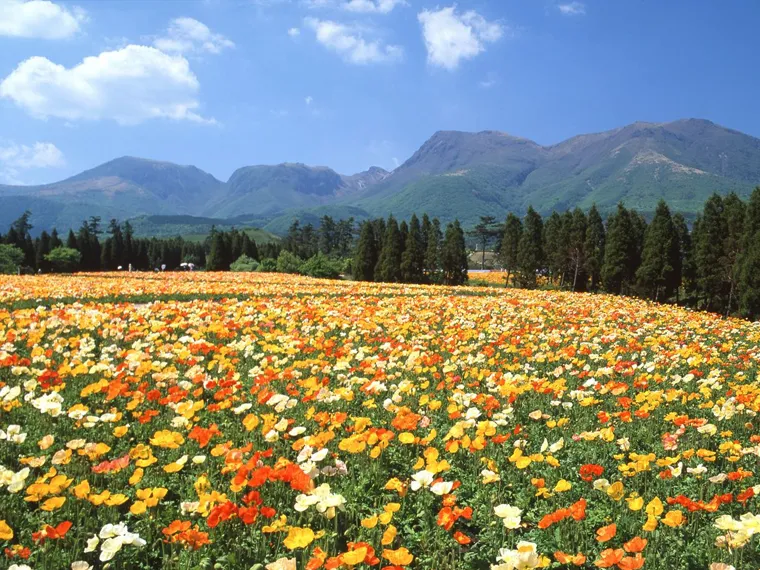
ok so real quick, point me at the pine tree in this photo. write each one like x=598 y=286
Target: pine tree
x=413 y=257
x=55 y=241
x=660 y=272
x=484 y=233
x=454 y=255
x=389 y=260
x=594 y=247
x=365 y=258
x=508 y=246
x=433 y=252
x=619 y=266
x=530 y=250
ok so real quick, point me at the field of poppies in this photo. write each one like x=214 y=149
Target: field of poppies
x=200 y=420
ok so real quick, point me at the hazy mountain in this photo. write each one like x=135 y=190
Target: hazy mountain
x=452 y=175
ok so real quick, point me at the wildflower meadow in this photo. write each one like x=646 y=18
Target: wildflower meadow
x=266 y=421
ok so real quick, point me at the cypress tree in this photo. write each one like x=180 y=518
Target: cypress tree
x=215 y=260
x=686 y=254
x=55 y=241
x=42 y=248
x=365 y=258
x=424 y=232
x=413 y=258
x=576 y=247
x=454 y=255
x=508 y=247
x=389 y=260
x=530 y=250
x=555 y=244
x=734 y=211
x=659 y=273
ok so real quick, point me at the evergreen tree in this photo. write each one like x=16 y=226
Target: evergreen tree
x=734 y=211
x=433 y=252
x=660 y=272
x=454 y=255
x=710 y=252
x=619 y=266
x=413 y=258
x=71 y=240
x=389 y=261
x=327 y=235
x=55 y=241
x=594 y=247
x=41 y=248
x=508 y=247
x=555 y=243
x=366 y=255
x=424 y=233
x=686 y=254
x=530 y=250
x=249 y=247
x=217 y=256
x=576 y=247
x=749 y=262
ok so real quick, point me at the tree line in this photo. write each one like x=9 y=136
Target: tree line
x=714 y=266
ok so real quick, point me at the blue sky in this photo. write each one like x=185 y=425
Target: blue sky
x=352 y=83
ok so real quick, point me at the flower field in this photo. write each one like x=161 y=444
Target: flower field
x=255 y=420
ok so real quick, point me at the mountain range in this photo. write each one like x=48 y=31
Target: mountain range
x=452 y=175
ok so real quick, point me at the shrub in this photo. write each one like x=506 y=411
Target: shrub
x=321 y=266
x=288 y=262
x=244 y=264
x=64 y=259
x=11 y=258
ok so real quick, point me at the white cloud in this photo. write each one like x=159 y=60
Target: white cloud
x=451 y=37
x=572 y=8
x=39 y=19
x=15 y=158
x=187 y=35
x=349 y=42
x=294 y=32
x=372 y=6
x=129 y=86
x=309 y=99
x=488 y=82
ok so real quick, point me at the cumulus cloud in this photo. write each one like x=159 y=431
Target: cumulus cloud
x=349 y=42
x=572 y=8
x=187 y=35
x=294 y=32
x=309 y=100
x=451 y=37
x=372 y=6
x=39 y=19
x=128 y=85
x=15 y=158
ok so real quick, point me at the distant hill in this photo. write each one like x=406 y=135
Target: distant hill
x=452 y=175
x=195 y=228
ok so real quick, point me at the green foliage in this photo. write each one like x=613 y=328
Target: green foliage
x=389 y=261
x=530 y=249
x=454 y=255
x=620 y=253
x=268 y=265
x=288 y=262
x=321 y=266
x=11 y=258
x=244 y=264
x=660 y=269
x=413 y=258
x=64 y=259
x=366 y=254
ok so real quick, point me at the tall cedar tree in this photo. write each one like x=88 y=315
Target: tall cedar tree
x=710 y=252
x=365 y=258
x=389 y=261
x=620 y=252
x=594 y=246
x=749 y=263
x=576 y=247
x=686 y=255
x=510 y=240
x=734 y=211
x=454 y=255
x=659 y=274
x=413 y=258
x=555 y=246
x=433 y=252
x=530 y=250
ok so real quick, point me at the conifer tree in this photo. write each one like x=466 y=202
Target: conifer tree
x=484 y=232
x=576 y=247
x=710 y=252
x=454 y=255
x=734 y=211
x=530 y=250
x=389 y=261
x=510 y=240
x=413 y=257
x=594 y=247
x=686 y=254
x=433 y=252
x=749 y=262
x=365 y=258
x=619 y=266
x=659 y=274
x=215 y=260
x=555 y=245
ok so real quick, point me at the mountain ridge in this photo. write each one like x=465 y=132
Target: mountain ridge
x=452 y=174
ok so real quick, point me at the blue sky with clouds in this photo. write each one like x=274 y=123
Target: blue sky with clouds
x=352 y=83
